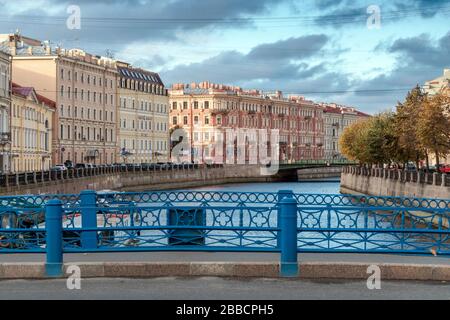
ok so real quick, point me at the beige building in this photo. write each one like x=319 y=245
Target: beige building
x=84 y=89
x=5 y=107
x=336 y=119
x=442 y=83
x=31 y=130
x=432 y=87
x=203 y=109
x=143 y=118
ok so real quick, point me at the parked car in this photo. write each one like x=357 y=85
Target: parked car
x=59 y=167
x=145 y=166
x=163 y=165
x=121 y=166
x=444 y=168
x=130 y=166
x=69 y=164
x=81 y=166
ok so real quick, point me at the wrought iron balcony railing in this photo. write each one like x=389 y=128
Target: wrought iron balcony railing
x=5 y=137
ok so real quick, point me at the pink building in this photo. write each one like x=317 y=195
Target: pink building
x=202 y=109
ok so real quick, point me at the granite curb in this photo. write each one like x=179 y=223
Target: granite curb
x=307 y=270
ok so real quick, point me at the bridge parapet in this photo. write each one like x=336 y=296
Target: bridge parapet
x=282 y=222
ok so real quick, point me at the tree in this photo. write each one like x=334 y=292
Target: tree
x=433 y=128
x=353 y=142
x=382 y=142
x=406 y=122
x=371 y=141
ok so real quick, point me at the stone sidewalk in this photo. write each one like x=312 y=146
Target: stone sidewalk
x=184 y=264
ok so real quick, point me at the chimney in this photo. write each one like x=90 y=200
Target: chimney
x=447 y=73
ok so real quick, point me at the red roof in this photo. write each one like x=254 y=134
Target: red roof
x=362 y=114
x=26 y=91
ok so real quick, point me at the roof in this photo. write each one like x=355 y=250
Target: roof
x=27 y=91
x=343 y=109
x=140 y=75
x=362 y=114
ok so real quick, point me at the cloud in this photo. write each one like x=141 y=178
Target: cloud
x=419 y=59
x=343 y=16
x=427 y=8
x=423 y=50
x=325 y=4
x=113 y=24
x=281 y=60
x=292 y=48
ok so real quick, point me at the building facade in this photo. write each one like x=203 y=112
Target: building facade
x=84 y=88
x=143 y=117
x=31 y=130
x=205 y=108
x=432 y=87
x=5 y=109
x=336 y=119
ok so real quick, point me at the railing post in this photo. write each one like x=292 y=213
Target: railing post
x=88 y=201
x=54 y=244
x=281 y=195
x=288 y=230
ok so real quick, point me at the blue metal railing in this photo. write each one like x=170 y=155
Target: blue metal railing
x=282 y=222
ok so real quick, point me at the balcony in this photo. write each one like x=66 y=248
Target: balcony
x=219 y=111
x=5 y=137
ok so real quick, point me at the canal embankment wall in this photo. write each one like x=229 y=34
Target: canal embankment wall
x=146 y=180
x=319 y=173
x=394 y=183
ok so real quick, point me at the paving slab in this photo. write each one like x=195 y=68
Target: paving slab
x=183 y=256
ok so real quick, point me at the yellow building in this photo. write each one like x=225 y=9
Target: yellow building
x=31 y=130
x=143 y=123
x=84 y=89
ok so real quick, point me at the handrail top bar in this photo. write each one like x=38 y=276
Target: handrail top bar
x=228 y=193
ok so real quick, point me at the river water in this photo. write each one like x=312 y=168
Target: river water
x=296 y=187
x=336 y=218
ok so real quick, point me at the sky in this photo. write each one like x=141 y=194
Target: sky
x=325 y=50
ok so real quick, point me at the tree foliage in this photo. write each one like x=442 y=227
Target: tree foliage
x=433 y=130
x=420 y=126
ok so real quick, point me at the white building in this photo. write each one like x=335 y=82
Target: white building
x=432 y=87
x=5 y=110
x=336 y=119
